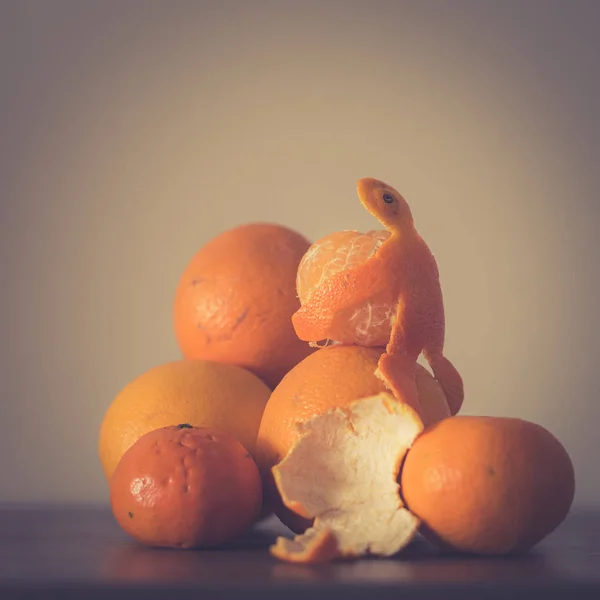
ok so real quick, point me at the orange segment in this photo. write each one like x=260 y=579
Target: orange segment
x=336 y=252
x=342 y=297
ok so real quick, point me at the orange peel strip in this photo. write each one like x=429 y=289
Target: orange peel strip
x=343 y=472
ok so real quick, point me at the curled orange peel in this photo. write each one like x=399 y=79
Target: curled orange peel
x=343 y=473
x=403 y=266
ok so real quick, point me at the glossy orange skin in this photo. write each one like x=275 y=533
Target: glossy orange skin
x=332 y=377
x=186 y=487
x=488 y=485
x=236 y=297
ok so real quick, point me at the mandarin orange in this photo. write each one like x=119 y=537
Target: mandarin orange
x=488 y=485
x=331 y=377
x=205 y=393
x=370 y=321
x=186 y=487
x=236 y=297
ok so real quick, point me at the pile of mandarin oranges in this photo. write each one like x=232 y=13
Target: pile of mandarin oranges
x=275 y=331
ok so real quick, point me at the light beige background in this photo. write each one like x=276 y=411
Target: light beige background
x=132 y=132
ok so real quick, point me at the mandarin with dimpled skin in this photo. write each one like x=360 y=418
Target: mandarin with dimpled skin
x=186 y=487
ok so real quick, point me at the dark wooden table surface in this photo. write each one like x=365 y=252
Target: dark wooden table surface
x=82 y=553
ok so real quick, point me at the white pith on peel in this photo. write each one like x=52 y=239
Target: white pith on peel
x=343 y=473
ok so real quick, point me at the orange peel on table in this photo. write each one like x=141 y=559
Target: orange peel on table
x=343 y=472
x=379 y=288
